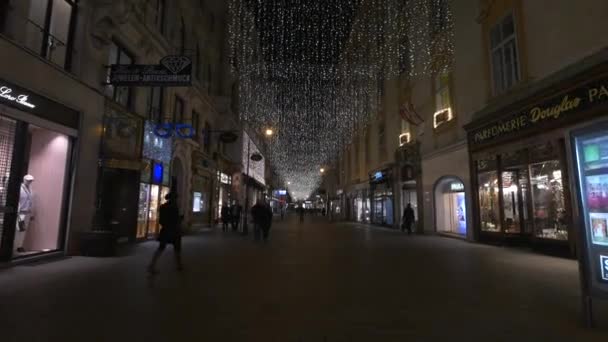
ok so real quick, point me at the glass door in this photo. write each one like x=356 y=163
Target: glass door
x=511 y=202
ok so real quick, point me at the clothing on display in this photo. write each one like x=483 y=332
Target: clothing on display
x=25 y=212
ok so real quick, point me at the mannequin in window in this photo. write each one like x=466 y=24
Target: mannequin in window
x=25 y=213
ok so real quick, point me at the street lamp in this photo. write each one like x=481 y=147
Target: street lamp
x=322 y=170
x=269 y=132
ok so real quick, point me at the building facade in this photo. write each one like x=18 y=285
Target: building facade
x=506 y=59
x=111 y=168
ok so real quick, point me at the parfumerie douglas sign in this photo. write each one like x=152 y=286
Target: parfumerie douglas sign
x=560 y=107
x=173 y=71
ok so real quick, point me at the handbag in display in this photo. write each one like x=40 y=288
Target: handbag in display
x=20 y=224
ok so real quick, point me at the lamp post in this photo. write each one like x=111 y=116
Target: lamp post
x=269 y=133
x=255 y=157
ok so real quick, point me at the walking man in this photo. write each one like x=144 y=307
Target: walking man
x=236 y=216
x=225 y=215
x=301 y=211
x=170 y=233
x=408 y=218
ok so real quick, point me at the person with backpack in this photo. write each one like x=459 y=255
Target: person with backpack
x=170 y=232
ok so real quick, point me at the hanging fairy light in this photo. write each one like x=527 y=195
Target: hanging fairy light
x=312 y=69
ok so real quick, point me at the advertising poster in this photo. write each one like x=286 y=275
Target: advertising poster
x=599 y=228
x=461 y=213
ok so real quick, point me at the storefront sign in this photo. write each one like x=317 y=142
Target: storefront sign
x=378 y=176
x=224 y=178
x=458 y=187
x=560 y=107
x=166 y=130
x=173 y=71
x=22 y=99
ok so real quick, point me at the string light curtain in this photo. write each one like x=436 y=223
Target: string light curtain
x=312 y=70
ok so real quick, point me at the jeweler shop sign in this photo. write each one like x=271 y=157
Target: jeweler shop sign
x=172 y=71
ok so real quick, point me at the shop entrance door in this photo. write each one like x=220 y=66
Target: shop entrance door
x=119 y=201
x=515 y=201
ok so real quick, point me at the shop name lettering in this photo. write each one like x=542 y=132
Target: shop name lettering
x=22 y=99
x=540 y=114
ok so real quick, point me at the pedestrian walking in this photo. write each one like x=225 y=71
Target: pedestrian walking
x=237 y=209
x=170 y=233
x=266 y=223
x=408 y=218
x=257 y=216
x=301 y=212
x=225 y=215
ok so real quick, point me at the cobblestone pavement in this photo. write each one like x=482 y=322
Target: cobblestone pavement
x=311 y=282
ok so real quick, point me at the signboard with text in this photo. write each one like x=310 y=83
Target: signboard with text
x=560 y=107
x=172 y=71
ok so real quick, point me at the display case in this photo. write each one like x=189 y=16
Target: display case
x=142 y=210
x=591 y=156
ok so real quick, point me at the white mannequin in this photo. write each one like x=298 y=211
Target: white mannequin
x=25 y=212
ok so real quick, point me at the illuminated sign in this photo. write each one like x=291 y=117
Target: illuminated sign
x=166 y=130
x=171 y=71
x=224 y=178
x=378 y=176
x=457 y=187
x=157 y=173
x=22 y=99
x=281 y=192
x=559 y=107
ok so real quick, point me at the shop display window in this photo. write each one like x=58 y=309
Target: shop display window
x=142 y=211
x=41 y=196
x=153 y=213
x=488 y=201
x=197 y=200
x=549 y=210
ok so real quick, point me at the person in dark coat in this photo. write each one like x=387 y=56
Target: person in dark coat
x=262 y=219
x=408 y=218
x=237 y=209
x=225 y=214
x=170 y=232
x=301 y=211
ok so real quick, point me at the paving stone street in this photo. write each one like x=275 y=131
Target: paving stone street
x=313 y=281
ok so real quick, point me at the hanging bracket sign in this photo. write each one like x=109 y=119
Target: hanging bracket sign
x=172 y=71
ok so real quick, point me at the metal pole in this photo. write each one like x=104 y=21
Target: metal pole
x=245 y=227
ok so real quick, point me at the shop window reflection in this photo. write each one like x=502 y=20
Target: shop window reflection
x=550 y=221
x=488 y=201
